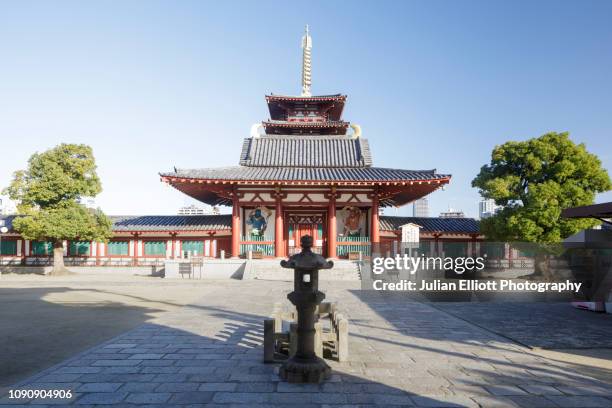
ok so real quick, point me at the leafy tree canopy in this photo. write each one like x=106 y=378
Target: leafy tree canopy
x=48 y=193
x=534 y=181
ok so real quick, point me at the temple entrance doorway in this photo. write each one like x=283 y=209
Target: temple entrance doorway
x=300 y=224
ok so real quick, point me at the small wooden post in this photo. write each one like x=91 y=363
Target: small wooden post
x=343 y=350
x=318 y=339
x=277 y=315
x=268 y=341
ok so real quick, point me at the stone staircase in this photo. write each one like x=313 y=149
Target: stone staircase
x=270 y=269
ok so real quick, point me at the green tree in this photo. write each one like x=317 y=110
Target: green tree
x=534 y=181
x=48 y=194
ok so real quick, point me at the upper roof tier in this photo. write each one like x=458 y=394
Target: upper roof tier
x=283 y=107
x=305 y=151
x=311 y=126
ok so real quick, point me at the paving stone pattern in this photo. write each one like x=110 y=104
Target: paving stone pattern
x=402 y=353
x=568 y=327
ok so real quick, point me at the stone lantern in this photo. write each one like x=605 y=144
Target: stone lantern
x=305 y=366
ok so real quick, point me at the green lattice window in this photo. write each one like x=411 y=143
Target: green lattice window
x=425 y=248
x=42 y=248
x=455 y=249
x=195 y=247
x=493 y=250
x=118 y=248
x=8 y=247
x=155 y=248
x=79 y=248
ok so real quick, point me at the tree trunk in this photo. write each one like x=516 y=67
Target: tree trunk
x=541 y=268
x=58 y=260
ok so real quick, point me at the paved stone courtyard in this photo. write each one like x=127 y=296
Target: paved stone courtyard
x=401 y=354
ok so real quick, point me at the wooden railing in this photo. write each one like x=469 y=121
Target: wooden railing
x=256 y=244
x=347 y=245
x=296 y=250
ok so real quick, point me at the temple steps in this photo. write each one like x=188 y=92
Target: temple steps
x=270 y=269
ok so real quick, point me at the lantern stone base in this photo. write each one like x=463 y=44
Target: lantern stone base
x=297 y=370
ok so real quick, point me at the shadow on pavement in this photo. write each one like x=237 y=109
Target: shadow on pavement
x=216 y=358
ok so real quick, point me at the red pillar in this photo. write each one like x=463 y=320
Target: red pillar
x=279 y=247
x=332 y=232
x=375 y=232
x=172 y=243
x=235 y=228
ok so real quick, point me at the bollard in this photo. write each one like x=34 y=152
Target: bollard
x=269 y=341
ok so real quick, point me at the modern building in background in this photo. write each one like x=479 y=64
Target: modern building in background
x=487 y=208
x=451 y=213
x=420 y=208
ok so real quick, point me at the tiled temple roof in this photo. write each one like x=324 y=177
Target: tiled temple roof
x=171 y=222
x=314 y=98
x=224 y=222
x=304 y=124
x=123 y=223
x=305 y=151
x=432 y=224
x=337 y=174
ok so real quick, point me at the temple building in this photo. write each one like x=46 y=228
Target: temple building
x=303 y=171
x=310 y=172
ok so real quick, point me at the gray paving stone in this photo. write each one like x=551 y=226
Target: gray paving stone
x=146 y=356
x=178 y=387
x=240 y=397
x=102 y=398
x=289 y=398
x=148 y=397
x=77 y=370
x=120 y=370
x=224 y=386
x=99 y=387
x=256 y=387
x=581 y=401
x=505 y=390
x=110 y=363
x=139 y=387
x=533 y=401
x=159 y=370
x=59 y=378
x=495 y=402
x=197 y=370
x=191 y=397
x=540 y=389
x=288 y=387
x=438 y=401
x=586 y=390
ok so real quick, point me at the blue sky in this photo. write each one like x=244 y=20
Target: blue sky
x=434 y=84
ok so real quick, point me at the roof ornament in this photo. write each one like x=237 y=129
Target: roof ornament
x=255 y=128
x=356 y=130
x=306 y=63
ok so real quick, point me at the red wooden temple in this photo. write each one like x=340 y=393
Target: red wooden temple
x=309 y=172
